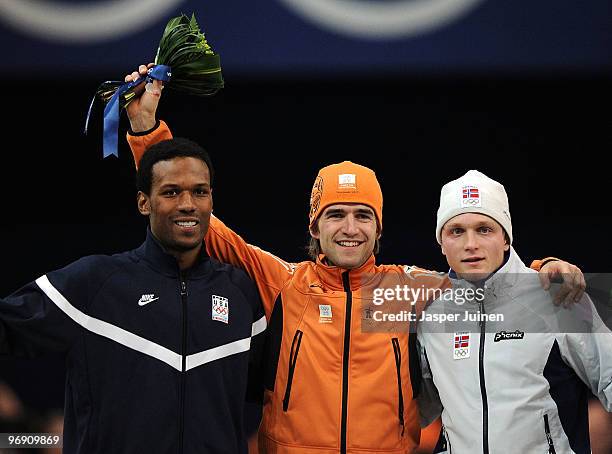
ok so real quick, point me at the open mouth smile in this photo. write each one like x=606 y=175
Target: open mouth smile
x=186 y=224
x=347 y=243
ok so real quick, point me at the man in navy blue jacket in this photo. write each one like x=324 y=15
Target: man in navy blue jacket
x=160 y=340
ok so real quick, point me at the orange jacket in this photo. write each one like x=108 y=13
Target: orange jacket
x=330 y=386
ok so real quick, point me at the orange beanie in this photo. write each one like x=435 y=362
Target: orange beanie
x=345 y=182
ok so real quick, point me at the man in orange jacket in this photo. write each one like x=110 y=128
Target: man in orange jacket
x=331 y=385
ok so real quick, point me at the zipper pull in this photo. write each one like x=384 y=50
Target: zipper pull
x=183 y=289
x=444 y=444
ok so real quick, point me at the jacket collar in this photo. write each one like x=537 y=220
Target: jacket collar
x=500 y=281
x=333 y=277
x=153 y=253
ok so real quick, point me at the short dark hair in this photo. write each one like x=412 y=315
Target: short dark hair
x=164 y=151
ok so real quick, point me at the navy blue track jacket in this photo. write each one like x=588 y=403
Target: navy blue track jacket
x=157 y=360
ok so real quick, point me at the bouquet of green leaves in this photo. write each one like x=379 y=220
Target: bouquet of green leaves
x=183 y=56
x=196 y=68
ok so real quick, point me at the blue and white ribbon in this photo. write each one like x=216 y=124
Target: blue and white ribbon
x=112 y=111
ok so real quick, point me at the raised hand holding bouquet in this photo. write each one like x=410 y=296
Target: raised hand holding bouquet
x=183 y=56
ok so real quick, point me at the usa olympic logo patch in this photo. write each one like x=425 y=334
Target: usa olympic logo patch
x=220 y=308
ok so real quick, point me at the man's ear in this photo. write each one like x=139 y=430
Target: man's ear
x=314 y=232
x=506 y=246
x=442 y=247
x=144 y=204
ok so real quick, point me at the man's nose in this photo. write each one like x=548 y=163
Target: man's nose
x=471 y=240
x=185 y=201
x=350 y=225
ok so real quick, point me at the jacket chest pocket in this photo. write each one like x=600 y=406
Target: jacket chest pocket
x=293 y=356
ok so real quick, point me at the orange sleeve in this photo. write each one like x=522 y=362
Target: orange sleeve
x=269 y=272
x=140 y=142
x=538 y=264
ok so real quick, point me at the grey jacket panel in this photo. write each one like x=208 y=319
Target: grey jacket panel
x=513 y=378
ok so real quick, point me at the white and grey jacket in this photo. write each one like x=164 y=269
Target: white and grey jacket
x=513 y=381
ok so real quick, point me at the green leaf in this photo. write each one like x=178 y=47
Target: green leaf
x=196 y=68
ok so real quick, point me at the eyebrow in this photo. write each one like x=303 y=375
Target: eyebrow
x=176 y=185
x=343 y=211
x=455 y=225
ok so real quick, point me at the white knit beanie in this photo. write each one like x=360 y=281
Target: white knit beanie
x=474 y=192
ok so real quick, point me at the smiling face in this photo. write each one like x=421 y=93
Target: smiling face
x=347 y=234
x=179 y=206
x=474 y=245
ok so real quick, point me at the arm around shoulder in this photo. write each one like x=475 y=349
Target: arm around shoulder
x=269 y=272
x=140 y=141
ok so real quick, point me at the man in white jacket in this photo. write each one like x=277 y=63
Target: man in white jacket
x=512 y=371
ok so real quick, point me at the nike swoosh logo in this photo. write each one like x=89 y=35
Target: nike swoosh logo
x=142 y=303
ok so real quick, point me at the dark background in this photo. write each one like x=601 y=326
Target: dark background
x=520 y=90
x=546 y=137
